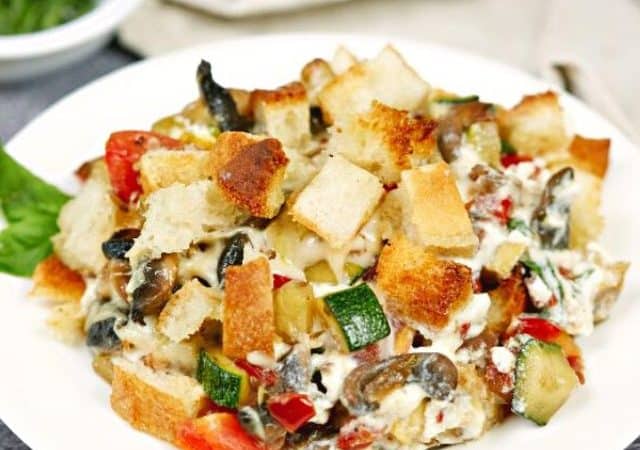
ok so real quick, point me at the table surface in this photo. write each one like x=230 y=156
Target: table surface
x=26 y=100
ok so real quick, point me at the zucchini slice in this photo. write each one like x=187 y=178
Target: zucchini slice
x=356 y=317
x=543 y=381
x=224 y=382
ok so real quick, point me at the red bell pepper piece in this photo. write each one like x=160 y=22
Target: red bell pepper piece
x=291 y=410
x=357 y=439
x=279 y=280
x=267 y=377
x=211 y=407
x=220 y=431
x=512 y=159
x=123 y=150
x=504 y=210
x=539 y=328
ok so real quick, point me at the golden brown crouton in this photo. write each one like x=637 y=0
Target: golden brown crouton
x=434 y=214
x=384 y=141
x=535 y=126
x=421 y=289
x=187 y=309
x=386 y=78
x=342 y=60
x=53 y=280
x=283 y=114
x=315 y=75
x=248 y=319
x=337 y=201
x=591 y=155
x=154 y=402
x=252 y=179
x=162 y=168
x=66 y=321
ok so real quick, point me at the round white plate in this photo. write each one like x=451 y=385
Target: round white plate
x=49 y=394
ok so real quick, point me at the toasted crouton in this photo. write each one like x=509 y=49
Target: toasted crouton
x=85 y=223
x=248 y=318
x=283 y=114
x=179 y=215
x=585 y=220
x=154 y=402
x=315 y=75
x=66 y=322
x=591 y=155
x=508 y=301
x=228 y=145
x=253 y=178
x=535 y=126
x=433 y=212
x=386 y=78
x=187 y=309
x=421 y=289
x=342 y=60
x=384 y=141
x=53 y=280
x=337 y=201
x=505 y=258
x=162 y=168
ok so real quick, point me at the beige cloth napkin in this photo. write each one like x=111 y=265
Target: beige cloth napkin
x=599 y=38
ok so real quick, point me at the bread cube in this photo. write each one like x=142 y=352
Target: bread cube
x=157 y=403
x=433 y=212
x=248 y=317
x=386 y=78
x=384 y=141
x=342 y=60
x=591 y=155
x=179 y=215
x=585 y=220
x=337 y=201
x=421 y=289
x=535 y=126
x=283 y=114
x=187 y=309
x=54 y=281
x=315 y=76
x=162 y=168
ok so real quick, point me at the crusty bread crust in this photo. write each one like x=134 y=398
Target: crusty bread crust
x=421 y=288
x=162 y=168
x=248 y=317
x=55 y=281
x=591 y=155
x=157 y=403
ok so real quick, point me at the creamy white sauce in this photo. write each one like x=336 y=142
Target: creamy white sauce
x=503 y=359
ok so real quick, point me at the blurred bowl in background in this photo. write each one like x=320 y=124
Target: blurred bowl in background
x=25 y=55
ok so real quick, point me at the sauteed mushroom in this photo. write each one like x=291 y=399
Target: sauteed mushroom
x=232 y=254
x=550 y=219
x=120 y=243
x=369 y=382
x=219 y=100
x=294 y=370
x=458 y=119
x=101 y=334
x=159 y=280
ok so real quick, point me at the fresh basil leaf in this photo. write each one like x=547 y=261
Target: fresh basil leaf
x=31 y=207
x=506 y=148
x=22 y=193
x=25 y=243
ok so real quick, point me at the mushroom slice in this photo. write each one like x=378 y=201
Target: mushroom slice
x=366 y=385
x=159 y=280
x=550 y=219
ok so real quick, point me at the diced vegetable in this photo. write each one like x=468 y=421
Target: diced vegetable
x=232 y=254
x=357 y=439
x=320 y=272
x=512 y=159
x=223 y=381
x=356 y=317
x=123 y=151
x=293 y=306
x=354 y=271
x=267 y=377
x=279 y=280
x=551 y=218
x=457 y=100
x=291 y=410
x=485 y=139
x=220 y=431
x=543 y=381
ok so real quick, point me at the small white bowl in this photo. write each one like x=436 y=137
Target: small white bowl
x=26 y=55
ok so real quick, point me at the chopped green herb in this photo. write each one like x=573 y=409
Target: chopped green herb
x=458 y=100
x=532 y=266
x=28 y=16
x=518 y=224
x=506 y=148
x=31 y=207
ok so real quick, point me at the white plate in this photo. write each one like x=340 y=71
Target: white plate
x=234 y=9
x=52 y=399
x=26 y=55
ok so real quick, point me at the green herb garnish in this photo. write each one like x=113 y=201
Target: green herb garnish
x=458 y=100
x=31 y=207
x=506 y=148
x=518 y=224
x=28 y=16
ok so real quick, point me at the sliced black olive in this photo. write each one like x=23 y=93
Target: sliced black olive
x=452 y=126
x=120 y=243
x=102 y=334
x=232 y=254
x=316 y=121
x=369 y=382
x=159 y=281
x=550 y=219
x=219 y=101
